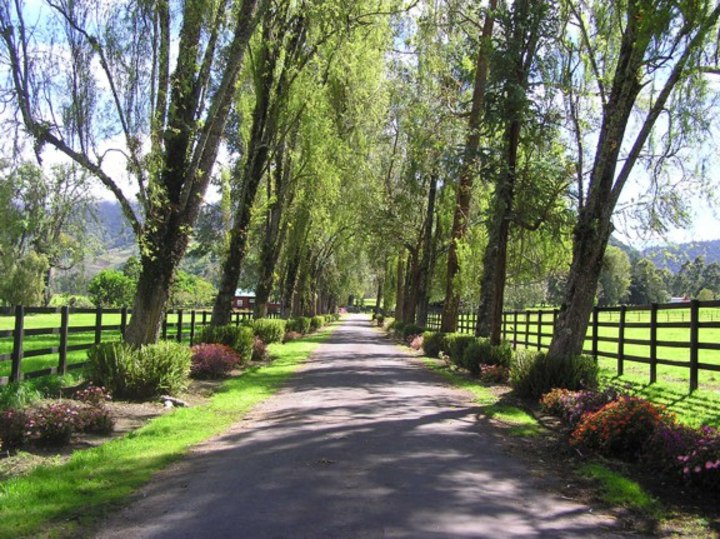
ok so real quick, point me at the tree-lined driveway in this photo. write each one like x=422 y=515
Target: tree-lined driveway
x=362 y=442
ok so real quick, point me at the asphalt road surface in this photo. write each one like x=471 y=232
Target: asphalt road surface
x=362 y=442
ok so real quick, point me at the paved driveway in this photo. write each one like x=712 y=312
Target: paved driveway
x=362 y=442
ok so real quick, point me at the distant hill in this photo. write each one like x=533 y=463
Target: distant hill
x=110 y=226
x=672 y=257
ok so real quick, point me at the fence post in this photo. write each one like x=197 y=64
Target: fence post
x=62 y=356
x=595 y=315
x=164 y=325
x=179 y=325
x=504 y=326
x=694 y=341
x=653 y=342
x=527 y=328
x=204 y=318
x=18 y=336
x=237 y=318
x=515 y=334
x=98 y=324
x=123 y=320
x=192 y=327
x=539 y=335
x=621 y=341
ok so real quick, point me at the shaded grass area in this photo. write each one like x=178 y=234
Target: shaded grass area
x=616 y=489
x=66 y=496
x=522 y=423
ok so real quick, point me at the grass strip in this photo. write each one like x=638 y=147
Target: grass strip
x=523 y=423
x=92 y=481
x=617 y=489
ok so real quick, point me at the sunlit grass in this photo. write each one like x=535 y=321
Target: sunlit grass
x=55 y=497
x=618 y=490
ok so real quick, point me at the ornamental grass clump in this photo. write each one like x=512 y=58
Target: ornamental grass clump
x=213 y=360
x=621 y=428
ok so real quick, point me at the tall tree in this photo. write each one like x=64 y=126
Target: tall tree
x=639 y=52
x=133 y=96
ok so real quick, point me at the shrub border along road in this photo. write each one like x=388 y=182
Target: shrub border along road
x=58 y=500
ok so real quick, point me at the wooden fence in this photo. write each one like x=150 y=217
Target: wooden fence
x=184 y=327
x=684 y=335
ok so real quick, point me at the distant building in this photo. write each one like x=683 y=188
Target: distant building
x=244 y=300
x=680 y=299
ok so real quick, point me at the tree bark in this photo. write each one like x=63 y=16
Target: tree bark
x=451 y=305
x=400 y=288
x=425 y=270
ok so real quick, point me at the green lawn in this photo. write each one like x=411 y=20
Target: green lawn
x=52 y=320
x=55 y=500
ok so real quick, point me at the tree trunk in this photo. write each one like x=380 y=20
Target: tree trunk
x=411 y=287
x=379 y=296
x=451 y=305
x=425 y=270
x=400 y=287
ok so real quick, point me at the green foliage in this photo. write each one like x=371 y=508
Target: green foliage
x=23 y=279
x=269 y=330
x=189 y=291
x=111 y=288
x=480 y=352
x=300 y=324
x=532 y=374
x=433 y=343
x=409 y=330
x=316 y=322
x=141 y=373
x=615 y=279
x=455 y=345
x=239 y=338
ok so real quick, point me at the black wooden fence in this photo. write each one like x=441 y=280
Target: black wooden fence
x=183 y=328
x=672 y=334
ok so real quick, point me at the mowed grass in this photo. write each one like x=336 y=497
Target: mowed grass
x=56 y=501
x=76 y=320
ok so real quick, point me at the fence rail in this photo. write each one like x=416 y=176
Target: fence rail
x=178 y=323
x=681 y=335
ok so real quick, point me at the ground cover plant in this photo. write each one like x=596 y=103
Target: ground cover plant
x=47 y=498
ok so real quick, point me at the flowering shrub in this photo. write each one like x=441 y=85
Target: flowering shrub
x=13 y=430
x=291 y=336
x=212 y=360
x=94 y=419
x=701 y=462
x=572 y=406
x=53 y=425
x=415 y=341
x=668 y=443
x=260 y=352
x=620 y=428
x=93 y=395
x=494 y=374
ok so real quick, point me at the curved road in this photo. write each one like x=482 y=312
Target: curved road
x=362 y=442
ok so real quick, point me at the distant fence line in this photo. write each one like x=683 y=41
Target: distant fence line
x=532 y=328
x=186 y=320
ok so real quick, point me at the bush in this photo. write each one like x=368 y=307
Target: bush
x=571 y=406
x=494 y=374
x=316 y=322
x=239 y=338
x=13 y=429
x=415 y=342
x=532 y=374
x=455 y=345
x=94 y=419
x=53 y=425
x=620 y=428
x=269 y=330
x=111 y=288
x=139 y=374
x=701 y=461
x=213 y=360
x=260 y=352
x=300 y=324
x=433 y=343
x=665 y=449
x=291 y=336
x=409 y=330
x=93 y=395
x=380 y=319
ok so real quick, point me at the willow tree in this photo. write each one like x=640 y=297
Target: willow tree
x=644 y=58
x=116 y=95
